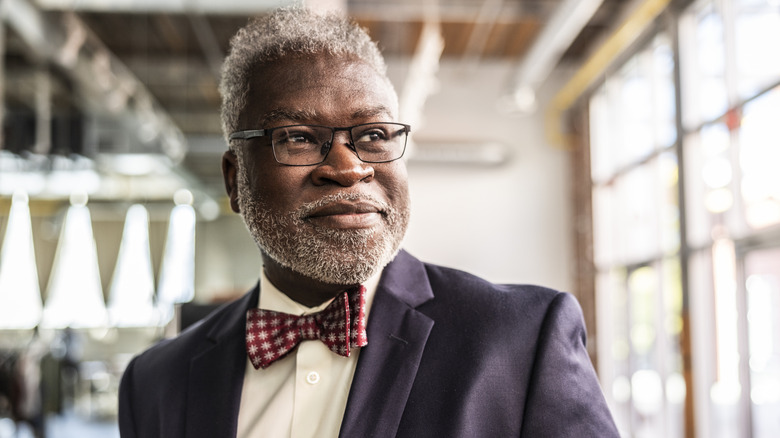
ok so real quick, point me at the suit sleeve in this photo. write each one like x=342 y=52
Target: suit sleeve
x=564 y=398
x=126 y=421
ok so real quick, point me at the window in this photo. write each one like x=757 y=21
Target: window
x=712 y=255
x=762 y=281
x=733 y=204
x=636 y=242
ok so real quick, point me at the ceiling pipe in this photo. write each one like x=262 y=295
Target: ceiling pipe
x=480 y=34
x=421 y=80
x=620 y=40
x=107 y=85
x=566 y=22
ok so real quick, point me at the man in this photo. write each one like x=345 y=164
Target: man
x=314 y=168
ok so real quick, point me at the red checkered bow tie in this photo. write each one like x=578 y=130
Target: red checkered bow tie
x=341 y=326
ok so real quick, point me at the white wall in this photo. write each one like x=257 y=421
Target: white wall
x=510 y=223
x=227 y=261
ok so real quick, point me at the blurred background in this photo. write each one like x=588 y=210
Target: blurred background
x=626 y=151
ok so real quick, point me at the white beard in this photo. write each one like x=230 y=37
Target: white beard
x=325 y=254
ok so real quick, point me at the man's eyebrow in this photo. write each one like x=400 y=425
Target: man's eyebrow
x=366 y=113
x=287 y=114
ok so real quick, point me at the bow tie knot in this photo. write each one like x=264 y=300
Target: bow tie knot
x=341 y=326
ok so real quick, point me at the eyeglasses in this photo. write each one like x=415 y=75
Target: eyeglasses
x=307 y=145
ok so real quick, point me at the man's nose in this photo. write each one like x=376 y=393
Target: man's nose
x=342 y=165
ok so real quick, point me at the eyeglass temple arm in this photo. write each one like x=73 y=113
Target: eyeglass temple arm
x=405 y=131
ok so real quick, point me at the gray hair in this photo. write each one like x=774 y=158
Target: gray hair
x=288 y=31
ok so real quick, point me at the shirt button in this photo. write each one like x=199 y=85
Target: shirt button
x=313 y=378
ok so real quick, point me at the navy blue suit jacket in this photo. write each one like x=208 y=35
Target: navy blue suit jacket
x=449 y=355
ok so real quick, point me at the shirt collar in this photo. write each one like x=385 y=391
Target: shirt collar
x=272 y=298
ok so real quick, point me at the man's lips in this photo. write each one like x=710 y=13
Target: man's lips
x=345 y=214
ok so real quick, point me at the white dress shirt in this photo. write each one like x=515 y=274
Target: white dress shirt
x=305 y=393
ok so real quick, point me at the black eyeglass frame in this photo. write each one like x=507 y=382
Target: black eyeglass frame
x=254 y=133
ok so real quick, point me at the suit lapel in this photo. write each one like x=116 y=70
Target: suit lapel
x=388 y=365
x=383 y=378
x=216 y=375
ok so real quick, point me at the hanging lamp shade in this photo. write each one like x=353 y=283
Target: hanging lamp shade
x=131 y=296
x=177 y=272
x=75 y=295
x=20 y=293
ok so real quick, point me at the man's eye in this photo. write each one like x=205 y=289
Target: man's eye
x=297 y=138
x=371 y=136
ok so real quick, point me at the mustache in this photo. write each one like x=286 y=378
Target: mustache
x=307 y=208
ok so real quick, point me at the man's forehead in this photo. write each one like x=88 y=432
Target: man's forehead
x=309 y=115
x=314 y=89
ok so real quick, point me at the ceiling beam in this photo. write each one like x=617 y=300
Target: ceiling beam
x=166 y=6
x=208 y=43
x=402 y=11
x=393 y=11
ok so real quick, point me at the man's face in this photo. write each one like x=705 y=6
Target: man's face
x=338 y=221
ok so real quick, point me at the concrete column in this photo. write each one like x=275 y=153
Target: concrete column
x=2 y=82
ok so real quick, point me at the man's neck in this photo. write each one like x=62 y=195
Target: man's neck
x=299 y=288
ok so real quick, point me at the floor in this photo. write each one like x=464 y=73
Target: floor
x=68 y=426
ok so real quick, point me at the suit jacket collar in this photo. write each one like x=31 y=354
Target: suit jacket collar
x=387 y=366
x=406 y=279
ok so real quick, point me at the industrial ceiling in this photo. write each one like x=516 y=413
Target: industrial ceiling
x=142 y=75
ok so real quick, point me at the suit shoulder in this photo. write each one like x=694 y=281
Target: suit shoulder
x=464 y=297
x=174 y=352
x=463 y=284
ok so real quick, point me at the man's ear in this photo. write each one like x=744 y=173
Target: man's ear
x=230 y=175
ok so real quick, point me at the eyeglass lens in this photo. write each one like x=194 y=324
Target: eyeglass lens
x=306 y=144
